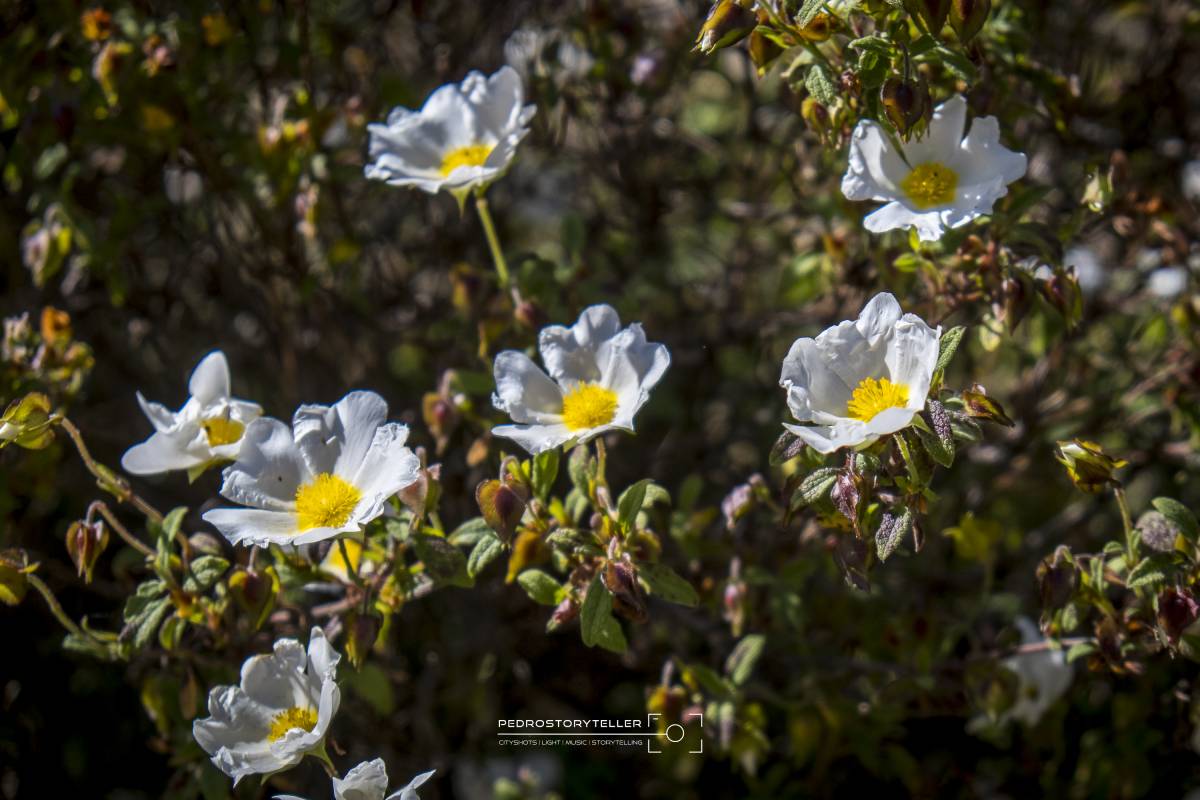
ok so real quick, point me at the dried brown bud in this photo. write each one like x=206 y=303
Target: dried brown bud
x=620 y=578
x=1177 y=610
x=728 y=22
x=501 y=506
x=967 y=17
x=906 y=102
x=1057 y=579
x=85 y=542
x=979 y=406
x=361 y=633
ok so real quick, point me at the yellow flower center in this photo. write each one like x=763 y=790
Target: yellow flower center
x=326 y=502
x=588 y=405
x=873 y=396
x=930 y=184
x=471 y=155
x=294 y=717
x=221 y=430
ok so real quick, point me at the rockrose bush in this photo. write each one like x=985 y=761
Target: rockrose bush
x=776 y=398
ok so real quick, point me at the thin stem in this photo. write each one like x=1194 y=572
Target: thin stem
x=56 y=609
x=121 y=530
x=489 y=230
x=108 y=480
x=1127 y=522
x=350 y=570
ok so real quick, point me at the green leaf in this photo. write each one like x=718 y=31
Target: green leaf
x=808 y=12
x=786 y=447
x=148 y=621
x=1079 y=650
x=581 y=467
x=876 y=44
x=206 y=571
x=545 y=470
x=540 y=587
x=487 y=549
x=742 y=660
x=171 y=632
x=470 y=532
x=815 y=485
x=937 y=447
x=947 y=346
x=820 y=85
x=630 y=503
x=443 y=562
x=665 y=583
x=140 y=600
x=1149 y=571
x=709 y=680
x=891 y=532
x=1178 y=515
x=596 y=622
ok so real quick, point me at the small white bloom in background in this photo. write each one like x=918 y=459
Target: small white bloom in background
x=209 y=428
x=465 y=136
x=599 y=376
x=1043 y=677
x=1167 y=282
x=330 y=474
x=860 y=379
x=1190 y=180
x=942 y=180
x=369 y=781
x=1088 y=270
x=278 y=714
x=547 y=53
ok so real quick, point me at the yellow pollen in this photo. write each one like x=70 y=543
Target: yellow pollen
x=588 y=405
x=326 y=502
x=471 y=155
x=930 y=184
x=873 y=396
x=294 y=717
x=221 y=430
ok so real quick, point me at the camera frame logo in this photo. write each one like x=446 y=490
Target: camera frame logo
x=604 y=733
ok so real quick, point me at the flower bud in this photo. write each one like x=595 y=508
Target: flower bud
x=1062 y=291
x=978 y=405
x=254 y=591
x=933 y=12
x=734 y=599
x=1090 y=468
x=1177 y=610
x=85 y=542
x=14 y=566
x=906 y=102
x=967 y=17
x=501 y=506
x=564 y=612
x=763 y=52
x=528 y=549
x=620 y=578
x=1057 y=578
x=1014 y=302
x=819 y=28
x=26 y=422
x=816 y=116
x=361 y=632
x=728 y=22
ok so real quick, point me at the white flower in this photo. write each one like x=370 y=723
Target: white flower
x=279 y=713
x=209 y=427
x=464 y=136
x=939 y=181
x=602 y=374
x=1043 y=676
x=547 y=53
x=369 y=781
x=332 y=473
x=1167 y=283
x=860 y=379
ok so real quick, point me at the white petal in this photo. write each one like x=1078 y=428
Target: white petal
x=875 y=168
x=160 y=453
x=322 y=658
x=984 y=158
x=367 y=781
x=269 y=468
x=277 y=680
x=536 y=438
x=335 y=439
x=812 y=386
x=912 y=353
x=210 y=380
x=897 y=216
x=409 y=792
x=877 y=317
x=944 y=135
x=524 y=392
x=826 y=439
x=500 y=111
x=162 y=418
x=387 y=467
x=890 y=420
x=570 y=354
x=255 y=526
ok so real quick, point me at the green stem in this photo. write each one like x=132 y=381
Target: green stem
x=1127 y=522
x=56 y=609
x=350 y=570
x=489 y=230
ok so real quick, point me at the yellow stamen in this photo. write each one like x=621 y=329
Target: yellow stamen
x=471 y=155
x=588 y=405
x=326 y=502
x=291 y=719
x=930 y=184
x=874 y=396
x=222 y=430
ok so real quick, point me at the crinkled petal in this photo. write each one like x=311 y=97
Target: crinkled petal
x=323 y=659
x=570 y=354
x=897 y=216
x=269 y=468
x=536 y=438
x=277 y=680
x=875 y=168
x=367 y=781
x=830 y=438
x=251 y=526
x=984 y=158
x=911 y=357
x=387 y=467
x=941 y=140
x=524 y=392
x=409 y=792
x=335 y=439
x=162 y=418
x=160 y=453
x=890 y=420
